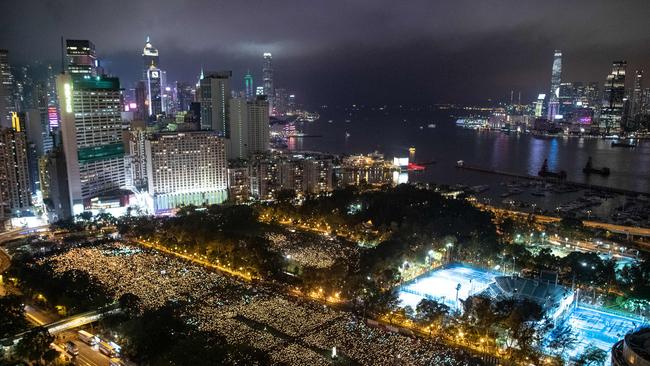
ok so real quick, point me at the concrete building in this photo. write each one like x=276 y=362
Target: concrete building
x=611 y=114
x=91 y=130
x=186 y=168
x=15 y=195
x=258 y=125
x=81 y=57
x=214 y=96
x=6 y=90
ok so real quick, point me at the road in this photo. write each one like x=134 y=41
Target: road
x=88 y=356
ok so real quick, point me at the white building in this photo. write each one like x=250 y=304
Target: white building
x=91 y=130
x=186 y=168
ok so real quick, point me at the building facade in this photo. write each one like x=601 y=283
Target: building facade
x=91 y=131
x=613 y=105
x=81 y=57
x=214 y=96
x=6 y=90
x=186 y=168
x=15 y=194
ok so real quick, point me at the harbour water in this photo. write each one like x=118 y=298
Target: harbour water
x=392 y=131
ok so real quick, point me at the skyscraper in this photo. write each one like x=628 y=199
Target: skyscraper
x=149 y=58
x=636 y=101
x=249 y=127
x=556 y=79
x=249 y=89
x=154 y=91
x=238 y=142
x=214 y=98
x=14 y=176
x=267 y=75
x=613 y=99
x=81 y=57
x=258 y=125
x=6 y=90
x=91 y=129
x=186 y=168
x=185 y=94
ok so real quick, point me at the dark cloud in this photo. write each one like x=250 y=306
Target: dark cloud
x=365 y=51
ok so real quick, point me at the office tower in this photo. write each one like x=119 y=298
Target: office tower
x=154 y=91
x=15 y=194
x=54 y=185
x=249 y=127
x=25 y=96
x=636 y=100
x=214 y=98
x=267 y=75
x=238 y=142
x=613 y=99
x=6 y=90
x=645 y=102
x=539 y=105
x=185 y=93
x=149 y=58
x=566 y=100
x=258 y=125
x=186 y=168
x=259 y=90
x=587 y=95
x=556 y=78
x=137 y=165
x=141 y=101
x=81 y=57
x=249 y=89
x=239 y=184
x=91 y=129
x=281 y=105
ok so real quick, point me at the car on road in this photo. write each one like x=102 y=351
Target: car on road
x=71 y=348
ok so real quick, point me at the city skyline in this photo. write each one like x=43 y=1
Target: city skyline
x=462 y=52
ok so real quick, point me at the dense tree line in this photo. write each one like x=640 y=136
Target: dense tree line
x=164 y=336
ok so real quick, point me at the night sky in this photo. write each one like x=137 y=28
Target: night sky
x=364 y=52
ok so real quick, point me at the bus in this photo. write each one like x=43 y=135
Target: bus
x=107 y=349
x=71 y=348
x=87 y=338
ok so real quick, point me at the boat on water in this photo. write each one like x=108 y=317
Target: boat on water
x=545 y=173
x=589 y=169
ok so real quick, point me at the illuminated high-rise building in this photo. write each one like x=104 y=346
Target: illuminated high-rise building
x=258 y=125
x=81 y=57
x=267 y=76
x=14 y=172
x=150 y=58
x=249 y=127
x=238 y=142
x=186 y=168
x=154 y=91
x=91 y=131
x=6 y=90
x=636 y=101
x=185 y=94
x=214 y=97
x=249 y=89
x=613 y=99
x=556 y=79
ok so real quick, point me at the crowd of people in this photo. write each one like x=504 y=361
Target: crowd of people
x=290 y=330
x=312 y=250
